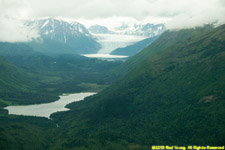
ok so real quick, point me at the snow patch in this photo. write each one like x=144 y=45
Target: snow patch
x=80 y=30
x=46 y=22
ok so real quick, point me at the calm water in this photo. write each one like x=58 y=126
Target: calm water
x=104 y=56
x=45 y=110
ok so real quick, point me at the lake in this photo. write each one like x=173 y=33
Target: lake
x=104 y=56
x=45 y=110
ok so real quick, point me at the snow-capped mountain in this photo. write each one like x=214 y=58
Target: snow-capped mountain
x=148 y=30
x=124 y=35
x=81 y=28
x=58 y=30
x=97 y=29
x=74 y=34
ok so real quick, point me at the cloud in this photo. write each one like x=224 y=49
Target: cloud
x=12 y=28
x=181 y=13
x=176 y=13
x=202 y=12
x=109 y=22
x=88 y=9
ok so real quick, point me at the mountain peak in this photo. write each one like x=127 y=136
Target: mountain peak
x=58 y=29
x=74 y=35
x=80 y=27
x=148 y=29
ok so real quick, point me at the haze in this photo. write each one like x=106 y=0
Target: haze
x=176 y=14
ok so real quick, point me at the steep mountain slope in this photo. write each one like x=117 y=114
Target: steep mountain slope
x=12 y=75
x=17 y=85
x=80 y=28
x=134 y=48
x=167 y=39
x=173 y=97
x=74 y=36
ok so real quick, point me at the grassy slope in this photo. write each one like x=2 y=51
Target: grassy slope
x=13 y=77
x=167 y=39
x=17 y=86
x=15 y=82
x=173 y=97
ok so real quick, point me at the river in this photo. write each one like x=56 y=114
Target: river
x=45 y=110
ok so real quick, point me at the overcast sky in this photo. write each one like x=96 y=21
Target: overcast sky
x=175 y=13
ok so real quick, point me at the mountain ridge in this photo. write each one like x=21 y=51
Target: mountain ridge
x=146 y=30
x=168 y=38
x=74 y=36
x=133 y=49
x=173 y=97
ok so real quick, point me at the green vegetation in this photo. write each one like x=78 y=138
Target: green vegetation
x=28 y=77
x=25 y=132
x=5 y=103
x=38 y=78
x=167 y=39
x=19 y=86
x=171 y=93
x=174 y=97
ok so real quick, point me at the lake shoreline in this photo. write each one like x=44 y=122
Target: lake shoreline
x=47 y=109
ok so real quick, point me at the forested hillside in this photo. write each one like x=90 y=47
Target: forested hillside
x=173 y=97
